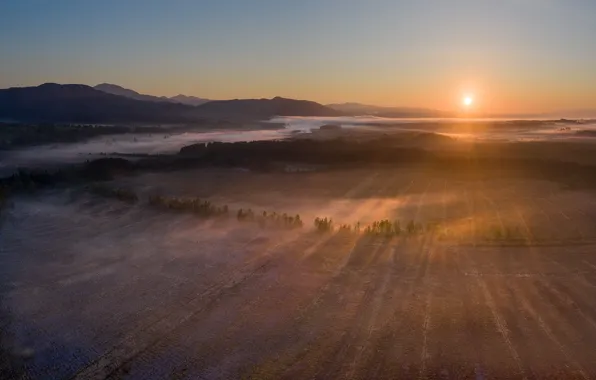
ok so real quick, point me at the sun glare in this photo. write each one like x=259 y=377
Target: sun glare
x=467 y=101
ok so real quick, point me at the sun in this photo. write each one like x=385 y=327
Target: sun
x=467 y=101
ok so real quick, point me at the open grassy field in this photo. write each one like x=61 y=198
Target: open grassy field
x=96 y=288
x=539 y=211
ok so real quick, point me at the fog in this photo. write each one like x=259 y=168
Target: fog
x=158 y=143
x=450 y=127
x=162 y=143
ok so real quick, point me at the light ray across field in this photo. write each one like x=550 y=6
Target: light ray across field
x=302 y=303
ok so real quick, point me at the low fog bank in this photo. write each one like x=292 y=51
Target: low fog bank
x=160 y=142
x=122 y=267
x=478 y=129
x=99 y=285
x=46 y=156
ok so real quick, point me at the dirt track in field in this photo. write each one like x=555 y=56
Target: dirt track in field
x=95 y=289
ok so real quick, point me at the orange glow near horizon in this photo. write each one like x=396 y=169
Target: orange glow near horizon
x=521 y=60
x=489 y=95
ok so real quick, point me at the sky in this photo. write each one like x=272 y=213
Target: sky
x=510 y=56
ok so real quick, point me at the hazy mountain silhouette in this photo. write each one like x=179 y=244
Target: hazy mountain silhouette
x=259 y=108
x=190 y=100
x=53 y=102
x=119 y=90
x=78 y=103
x=358 y=109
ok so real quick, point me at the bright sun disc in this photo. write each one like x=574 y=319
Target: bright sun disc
x=468 y=101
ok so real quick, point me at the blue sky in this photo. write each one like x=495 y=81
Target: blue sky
x=514 y=55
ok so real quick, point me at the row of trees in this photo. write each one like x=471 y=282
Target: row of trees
x=195 y=205
x=24 y=180
x=270 y=219
x=325 y=224
x=395 y=228
x=206 y=208
x=384 y=227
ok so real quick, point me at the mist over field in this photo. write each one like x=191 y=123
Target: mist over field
x=104 y=285
x=167 y=143
x=505 y=128
x=299 y=247
x=259 y=190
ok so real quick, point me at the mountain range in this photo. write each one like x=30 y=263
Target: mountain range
x=110 y=104
x=354 y=109
x=118 y=90
x=77 y=103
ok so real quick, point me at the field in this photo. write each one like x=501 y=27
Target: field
x=96 y=288
x=541 y=212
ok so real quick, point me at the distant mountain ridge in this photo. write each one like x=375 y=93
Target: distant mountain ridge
x=190 y=100
x=77 y=103
x=51 y=102
x=259 y=108
x=121 y=91
x=110 y=104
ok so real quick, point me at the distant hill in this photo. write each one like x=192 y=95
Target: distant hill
x=261 y=108
x=358 y=109
x=78 y=103
x=119 y=90
x=190 y=100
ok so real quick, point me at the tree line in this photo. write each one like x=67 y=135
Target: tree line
x=267 y=219
x=490 y=161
